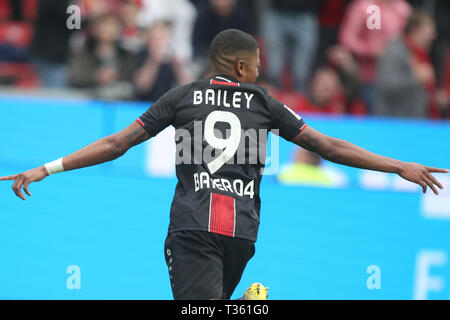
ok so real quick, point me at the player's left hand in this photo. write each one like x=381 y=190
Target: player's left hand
x=24 y=179
x=421 y=175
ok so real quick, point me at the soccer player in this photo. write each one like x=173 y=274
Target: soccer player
x=214 y=216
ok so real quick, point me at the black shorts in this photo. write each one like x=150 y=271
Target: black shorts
x=204 y=265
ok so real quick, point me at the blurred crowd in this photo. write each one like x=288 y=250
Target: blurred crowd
x=376 y=57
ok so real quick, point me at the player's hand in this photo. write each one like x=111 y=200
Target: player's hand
x=24 y=179
x=421 y=175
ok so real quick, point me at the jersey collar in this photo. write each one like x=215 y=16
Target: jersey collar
x=225 y=77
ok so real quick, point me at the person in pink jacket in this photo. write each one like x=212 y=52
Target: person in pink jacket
x=368 y=26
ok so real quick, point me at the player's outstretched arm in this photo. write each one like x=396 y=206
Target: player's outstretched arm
x=346 y=153
x=102 y=150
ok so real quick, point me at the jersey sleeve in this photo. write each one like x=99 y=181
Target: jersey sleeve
x=288 y=123
x=160 y=114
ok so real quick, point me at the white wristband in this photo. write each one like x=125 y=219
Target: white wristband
x=54 y=166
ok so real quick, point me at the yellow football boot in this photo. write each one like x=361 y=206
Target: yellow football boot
x=256 y=292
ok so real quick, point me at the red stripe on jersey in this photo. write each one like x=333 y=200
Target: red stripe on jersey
x=140 y=122
x=222 y=215
x=224 y=83
x=303 y=127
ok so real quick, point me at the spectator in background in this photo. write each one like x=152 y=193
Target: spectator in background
x=214 y=18
x=50 y=45
x=405 y=77
x=341 y=60
x=442 y=58
x=330 y=17
x=126 y=10
x=368 y=44
x=305 y=170
x=131 y=39
x=101 y=63
x=291 y=26
x=443 y=94
x=325 y=94
x=181 y=14
x=159 y=69
x=91 y=9
x=308 y=169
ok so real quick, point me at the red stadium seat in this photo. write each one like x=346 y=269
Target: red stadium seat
x=5 y=10
x=20 y=75
x=17 y=34
x=29 y=10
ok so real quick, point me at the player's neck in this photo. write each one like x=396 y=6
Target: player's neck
x=228 y=75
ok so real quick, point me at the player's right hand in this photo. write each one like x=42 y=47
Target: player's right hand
x=24 y=179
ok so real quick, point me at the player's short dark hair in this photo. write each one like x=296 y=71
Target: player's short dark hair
x=227 y=46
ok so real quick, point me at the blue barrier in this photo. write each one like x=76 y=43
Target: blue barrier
x=358 y=241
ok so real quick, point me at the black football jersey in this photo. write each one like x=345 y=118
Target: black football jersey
x=221 y=134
